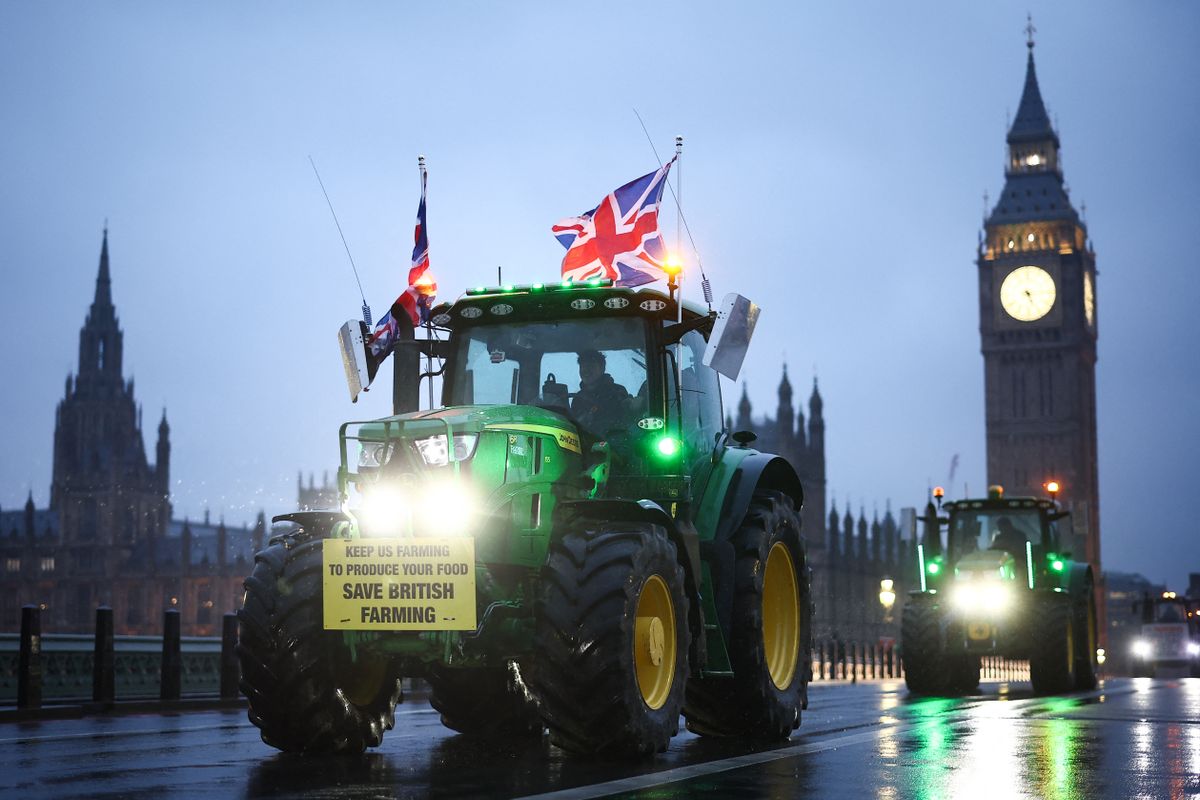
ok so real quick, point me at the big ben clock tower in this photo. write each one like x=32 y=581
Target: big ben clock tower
x=1037 y=322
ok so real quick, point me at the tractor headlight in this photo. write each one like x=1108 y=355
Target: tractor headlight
x=435 y=453
x=448 y=507
x=981 y=597
x=1142 y=648
x=384 y=511
x=373 y=454
x=1193 y=649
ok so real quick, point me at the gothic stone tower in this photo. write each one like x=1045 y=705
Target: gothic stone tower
x=1037 y=322
x=107 y=497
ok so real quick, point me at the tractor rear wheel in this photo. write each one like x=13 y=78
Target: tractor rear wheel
x=488 y=702
x=1052 y=663
x=921 y=639
x=1085 y=650
x=771 y=631
x=611 y=641
x=306 y=694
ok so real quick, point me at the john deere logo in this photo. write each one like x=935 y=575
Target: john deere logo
x=568 y=441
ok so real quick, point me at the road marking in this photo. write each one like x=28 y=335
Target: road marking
x=674 y=775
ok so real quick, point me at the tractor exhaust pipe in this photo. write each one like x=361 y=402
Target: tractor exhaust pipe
x=406 y=368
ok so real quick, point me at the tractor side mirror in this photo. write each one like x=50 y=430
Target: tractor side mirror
x=731 y=335
x=353 y=344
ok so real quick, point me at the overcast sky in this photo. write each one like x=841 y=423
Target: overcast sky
x=835 y=161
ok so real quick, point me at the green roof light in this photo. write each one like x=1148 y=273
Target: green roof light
x=566 y=284
x=537 y=287
x=508 y=287
x=668 y=446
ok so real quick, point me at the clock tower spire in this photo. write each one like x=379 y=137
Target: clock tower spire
x=1037 y=292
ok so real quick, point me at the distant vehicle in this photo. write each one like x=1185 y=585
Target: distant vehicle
x=998 y=584
x=1170 y=635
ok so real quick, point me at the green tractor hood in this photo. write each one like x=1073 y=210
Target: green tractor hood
x=987 y=563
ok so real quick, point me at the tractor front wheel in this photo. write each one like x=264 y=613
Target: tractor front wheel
x=771 y=631
x=1052 y=663
x=484 y=702
x=611 y=642
x=306 y=693
x=921 y=642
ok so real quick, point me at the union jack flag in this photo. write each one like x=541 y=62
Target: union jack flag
x=417 y=299
x=619 y=238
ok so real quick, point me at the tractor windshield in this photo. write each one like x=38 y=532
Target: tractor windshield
x=592 y=370
x=1170 y=611
x=1006 y=529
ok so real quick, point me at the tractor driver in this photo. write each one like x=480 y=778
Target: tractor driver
x=1008 y=539
x=601 y=404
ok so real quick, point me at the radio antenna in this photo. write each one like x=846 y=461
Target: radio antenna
x=366 y=309
x=704 y=284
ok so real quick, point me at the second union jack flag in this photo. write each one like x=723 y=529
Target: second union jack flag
x=417 y=298
x=618 y=239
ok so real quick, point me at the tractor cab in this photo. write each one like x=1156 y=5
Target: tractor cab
x=552 y=393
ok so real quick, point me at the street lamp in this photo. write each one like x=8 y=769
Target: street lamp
x=887 y=597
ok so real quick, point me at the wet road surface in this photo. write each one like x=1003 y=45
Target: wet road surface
x=1130 y=739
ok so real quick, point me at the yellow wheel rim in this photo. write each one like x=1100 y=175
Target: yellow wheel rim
x=781 y=616
x=362 y=681
x=654 y=642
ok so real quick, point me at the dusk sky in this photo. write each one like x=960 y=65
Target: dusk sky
x=835 y=162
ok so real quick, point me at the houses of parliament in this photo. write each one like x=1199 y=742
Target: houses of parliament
x=109 y=537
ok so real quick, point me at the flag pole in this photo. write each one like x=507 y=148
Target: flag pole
x=679 y=221
x=679 y=276
x=424 y=173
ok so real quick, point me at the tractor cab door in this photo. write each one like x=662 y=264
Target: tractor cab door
x=694 y=410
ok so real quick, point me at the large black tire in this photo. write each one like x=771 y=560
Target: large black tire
x=1052 y=662
x=770 y=642
x=305 y=693
x=964 y=674
x=585 y=671
x=488 y=702
x=921 y=642
x=1085 y=650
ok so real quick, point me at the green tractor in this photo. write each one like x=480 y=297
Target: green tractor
x=571 y=542
x=1004 y=587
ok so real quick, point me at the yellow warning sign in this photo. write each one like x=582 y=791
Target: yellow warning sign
x=399 y=584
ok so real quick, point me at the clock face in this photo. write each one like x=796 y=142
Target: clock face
x=1027 y=293
x=1089 y=299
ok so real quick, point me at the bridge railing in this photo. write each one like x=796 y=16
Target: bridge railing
x=836 y=660
x=104 y=668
